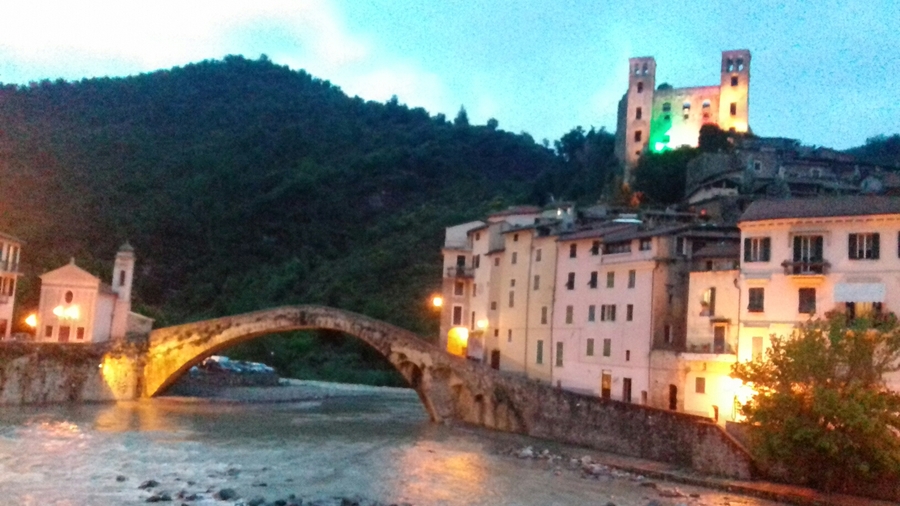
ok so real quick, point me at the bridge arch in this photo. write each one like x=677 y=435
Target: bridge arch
x=443 y=382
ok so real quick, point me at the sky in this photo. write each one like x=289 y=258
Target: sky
x=822 y=72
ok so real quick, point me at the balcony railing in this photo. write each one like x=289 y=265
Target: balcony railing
x=716 y=348
x=8 y=266
x=460 y=271
x=805 y=268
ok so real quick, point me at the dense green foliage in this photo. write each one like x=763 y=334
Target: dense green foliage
x=882 y=150
x=245 y=185
x=589 y=169
x=661 y=176
x=822 y=410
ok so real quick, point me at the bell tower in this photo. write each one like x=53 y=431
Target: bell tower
x=734 y=91
x=123 y=275
x=638 y=109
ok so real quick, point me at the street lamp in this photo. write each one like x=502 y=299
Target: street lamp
x=437 y=301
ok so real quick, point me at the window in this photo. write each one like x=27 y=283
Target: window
x=608 y=312
x=593 y=281
x=632 y=278
x=638 y=135
x=708 y=302
x=808 y=254
x=667 y=334
x=666 y=107
x=756 y=300
x=629 y=312
x=559 y=354
x=570 y=310
x=592 y=313
x=590 y=348
x=757 y=165
x=627 y=355
x=645 y=244
x=757 y=347
x=512 y=298
x=496 y=332
x=515 y=237
x=686 y=110
x=640 y=87
x=48 y=330
x=573 y=250
x=757 y=249
x=740 y=64
x=497 y=262
x=680 y=246
x=537 y=282
x=863 y=246
x=543 y=315
x=617 y=247
x=700 y=385
x=605 y=384
x=807 y=300
x=610 y=279
x=476 y=262
x=570 y=283
x=637 y=113
x=862 y=309
x=626 y=389
x=69 y=296
x=734 y=80
x=493 y=305
x=121 y=278
x=512 y=283
x=539 y=353
x=595 y=248
x=509 y=335
x=729 y=65
x=607 y=347
x=64 y=333
x=457 y=315
x=459 y=288
x=474 y=289
x=472 y=321
x=460 y=260
x=477 y=236
x=515 y=257
x=537 y=255
x=734 y=108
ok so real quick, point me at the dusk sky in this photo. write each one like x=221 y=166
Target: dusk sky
x=824 y=72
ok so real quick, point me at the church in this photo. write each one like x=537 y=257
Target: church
x=77 y=307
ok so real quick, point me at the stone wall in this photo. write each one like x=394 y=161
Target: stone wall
x=32 y=373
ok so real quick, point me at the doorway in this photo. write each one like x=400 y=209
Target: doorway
x=606 y=384
x=673 y=397
x=495 y=359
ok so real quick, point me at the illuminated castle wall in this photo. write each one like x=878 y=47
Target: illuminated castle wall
x=657 y=120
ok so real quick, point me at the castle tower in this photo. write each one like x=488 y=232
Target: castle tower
x=734 y=91
x=123 y=275
x=638 y=108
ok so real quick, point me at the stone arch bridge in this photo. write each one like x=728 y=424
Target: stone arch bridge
x=454 y=389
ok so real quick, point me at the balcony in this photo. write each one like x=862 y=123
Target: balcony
x=9 y=266
x=805 y=268
x=460 y=271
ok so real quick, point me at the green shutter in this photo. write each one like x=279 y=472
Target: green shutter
x=797 y=248
x=817 y=249
x=766 y=249
x=875 y=246
x=851 y=246
x=747 y=249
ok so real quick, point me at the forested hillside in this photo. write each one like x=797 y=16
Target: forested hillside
x=244 y=185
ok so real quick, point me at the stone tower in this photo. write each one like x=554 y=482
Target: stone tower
x=734 y=91
x=638 y=108
x=123 y=275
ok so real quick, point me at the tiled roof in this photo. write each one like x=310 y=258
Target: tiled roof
x=821 y=207
x=596 y=232
x=517 y=210
x=719 y=250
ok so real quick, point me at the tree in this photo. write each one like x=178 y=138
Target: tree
x=661 y=176
x=462 y=118
x=713 y=139
x=822 y=410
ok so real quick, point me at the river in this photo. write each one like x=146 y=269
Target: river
x=342 y=441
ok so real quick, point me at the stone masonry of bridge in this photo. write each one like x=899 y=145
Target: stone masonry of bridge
x=454 y=389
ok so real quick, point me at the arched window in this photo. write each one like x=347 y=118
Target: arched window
x=69 y=296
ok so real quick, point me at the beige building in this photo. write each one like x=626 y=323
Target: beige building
x=10 y=251
x=76 y=306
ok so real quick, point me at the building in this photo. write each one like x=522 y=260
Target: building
x=75 y=306
x=657 y=119
x=10 y=251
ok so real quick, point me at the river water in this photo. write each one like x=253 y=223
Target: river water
x=341 y=441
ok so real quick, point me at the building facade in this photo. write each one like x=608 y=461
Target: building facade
x=657 y=119
x=10 y=252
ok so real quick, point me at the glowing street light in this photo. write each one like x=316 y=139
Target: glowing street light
x=437 y=301
x=31 y=320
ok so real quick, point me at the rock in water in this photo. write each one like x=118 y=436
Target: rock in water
x=148 y=484
x=225 y=494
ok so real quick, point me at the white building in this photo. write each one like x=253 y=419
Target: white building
x=75 y=306
x=10 y=250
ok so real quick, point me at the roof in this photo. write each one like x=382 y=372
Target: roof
x=10 y=238
x=517 y=210
x=70 y=274
x=596 y=232
x=730 y=249
x=821 y=207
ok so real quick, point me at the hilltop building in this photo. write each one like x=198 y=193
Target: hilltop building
x=657 y=119
x=75 y=306
x=10 y=250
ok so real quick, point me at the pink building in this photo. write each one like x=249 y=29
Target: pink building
x=10 y=250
